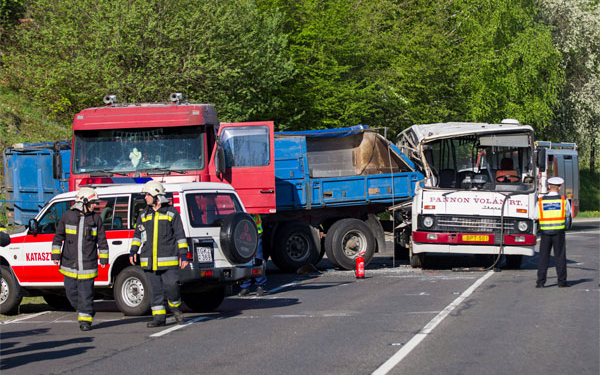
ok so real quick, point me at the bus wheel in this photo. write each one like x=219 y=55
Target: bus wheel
x=132 y=291
x=10 y=292
x=416 y=260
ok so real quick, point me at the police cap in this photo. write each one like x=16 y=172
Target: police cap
x=556 y=181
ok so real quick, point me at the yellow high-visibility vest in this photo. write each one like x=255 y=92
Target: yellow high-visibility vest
x=552 y=216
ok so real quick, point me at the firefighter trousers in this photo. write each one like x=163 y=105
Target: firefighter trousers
x=556 y=242
x=164 y=283
x=80 y=293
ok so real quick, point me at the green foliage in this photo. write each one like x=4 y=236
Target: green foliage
x=226 y=53
x=589 y=190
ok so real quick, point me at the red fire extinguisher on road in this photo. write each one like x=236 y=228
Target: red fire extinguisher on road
x=360 y=266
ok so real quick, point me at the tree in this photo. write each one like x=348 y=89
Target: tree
x=576 y=33
x=227 y=53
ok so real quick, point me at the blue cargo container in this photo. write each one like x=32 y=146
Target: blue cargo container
x=33 y=174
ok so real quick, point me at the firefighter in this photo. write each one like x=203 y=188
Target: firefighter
x=160 y=229
x=81 y=236
x=554 y=214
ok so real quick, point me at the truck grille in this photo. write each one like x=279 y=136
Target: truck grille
x=470 y=224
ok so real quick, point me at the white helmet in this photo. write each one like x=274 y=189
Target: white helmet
x=155 y=189
x=86 y=195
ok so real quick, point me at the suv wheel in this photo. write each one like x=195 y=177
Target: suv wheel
x=132 y=291
x=10 y=292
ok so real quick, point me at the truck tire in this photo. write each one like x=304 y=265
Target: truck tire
x=10 y=292
x=296 y=244
x=205 y=301
x=58 y=302
x=346 y=239
x=239 y=238
x=132 y=292
x=378 y=233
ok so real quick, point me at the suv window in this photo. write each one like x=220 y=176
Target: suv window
x=206 y=209
x=48 y=223
x=113 y=212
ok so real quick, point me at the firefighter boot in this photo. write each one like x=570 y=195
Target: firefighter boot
x=178 y=315
x=85 y=326
x=157 y=322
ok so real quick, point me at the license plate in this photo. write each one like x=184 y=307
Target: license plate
x=204 y=254
x=475 y=238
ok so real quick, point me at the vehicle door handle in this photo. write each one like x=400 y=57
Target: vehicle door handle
x=117 y=242
x=267 y=191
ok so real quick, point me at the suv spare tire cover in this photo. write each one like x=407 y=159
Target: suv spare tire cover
x=239 y=238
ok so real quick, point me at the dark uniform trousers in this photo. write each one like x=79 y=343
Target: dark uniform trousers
x=80 y=293
x=556 y=242
x=170 y=282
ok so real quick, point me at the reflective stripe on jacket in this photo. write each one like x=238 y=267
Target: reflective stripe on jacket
x=79 y=242
x=164 y=240
x=552 y=216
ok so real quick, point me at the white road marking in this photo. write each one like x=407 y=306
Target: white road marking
x=25 y=317
x=179 y=326
x=416 y=340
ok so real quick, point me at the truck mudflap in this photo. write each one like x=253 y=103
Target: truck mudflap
x=194 y=274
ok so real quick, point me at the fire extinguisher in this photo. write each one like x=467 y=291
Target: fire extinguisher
x=360 y=266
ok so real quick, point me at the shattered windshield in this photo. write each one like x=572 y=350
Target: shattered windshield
x=487 y=162
x=142 y=150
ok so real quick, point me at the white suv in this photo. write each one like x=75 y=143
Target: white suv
x=222 y=240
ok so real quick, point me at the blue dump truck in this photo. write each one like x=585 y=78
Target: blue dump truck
x=33 y=174
x=330 y=187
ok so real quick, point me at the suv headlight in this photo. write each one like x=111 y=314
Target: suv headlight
x=428 y=221
x=522 y=226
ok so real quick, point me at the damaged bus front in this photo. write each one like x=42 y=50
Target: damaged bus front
x=479 y=192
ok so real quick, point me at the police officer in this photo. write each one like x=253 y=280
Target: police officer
x=554 y=214
x=262 y=280
x=160 y=230
x=81 y=236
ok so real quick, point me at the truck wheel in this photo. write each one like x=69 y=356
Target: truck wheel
x=10 y=292
x=206 y=301
x=58 y=302
x=132 y=292
x=416 y=260
x=296 y=244
x=346 y=239
x=513 y=262
x=239 y=238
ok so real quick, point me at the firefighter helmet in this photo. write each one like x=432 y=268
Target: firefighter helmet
x=86 y=195
x=153 y=188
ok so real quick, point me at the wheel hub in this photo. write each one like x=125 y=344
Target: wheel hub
x=133 y=292
x=4 y=292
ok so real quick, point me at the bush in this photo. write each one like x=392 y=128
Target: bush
x=589 y=190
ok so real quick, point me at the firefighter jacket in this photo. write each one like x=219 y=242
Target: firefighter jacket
x=552 y=212
x=4 y=236
x=161 y=236
x=83 y=242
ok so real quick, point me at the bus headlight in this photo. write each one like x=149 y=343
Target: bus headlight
x=428 y=221
x=522 y=226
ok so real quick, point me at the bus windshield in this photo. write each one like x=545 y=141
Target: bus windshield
x=139 y=150
x=498 y=162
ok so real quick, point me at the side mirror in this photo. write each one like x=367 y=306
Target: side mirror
x=33 y=226
x=220 y=161
x=541 y=159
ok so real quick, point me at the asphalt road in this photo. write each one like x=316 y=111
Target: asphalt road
x=395 y=321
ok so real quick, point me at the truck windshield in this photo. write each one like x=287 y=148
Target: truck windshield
x=499 y=162
x=142 y=149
